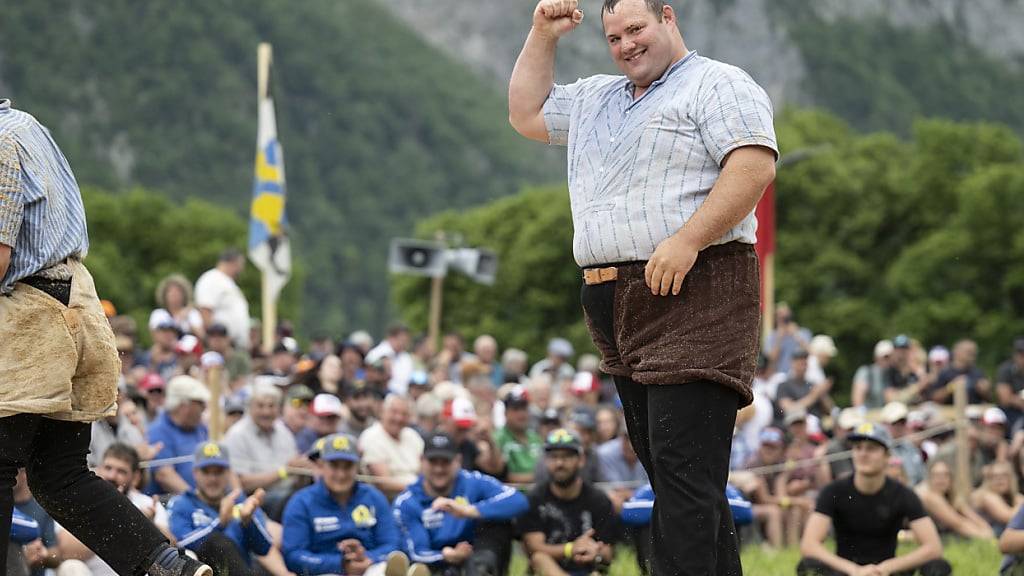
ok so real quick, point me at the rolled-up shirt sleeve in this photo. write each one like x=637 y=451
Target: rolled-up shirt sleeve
x=558 y=111
x=733 y=112
x=12 y=204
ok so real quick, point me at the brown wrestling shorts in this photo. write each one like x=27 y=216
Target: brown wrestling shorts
x=708 y=332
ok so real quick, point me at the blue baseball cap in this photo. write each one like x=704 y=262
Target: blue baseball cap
x=873 y=432
x=335 y=447
x=211 y=454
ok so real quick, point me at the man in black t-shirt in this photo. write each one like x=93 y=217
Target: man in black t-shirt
x=571 y=524
x=867 y=511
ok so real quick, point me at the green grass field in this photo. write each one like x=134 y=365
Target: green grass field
x=967 y=558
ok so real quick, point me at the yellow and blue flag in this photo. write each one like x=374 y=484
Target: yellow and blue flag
x=269 y=249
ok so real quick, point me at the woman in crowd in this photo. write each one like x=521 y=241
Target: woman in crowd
x=950 y=511
x=997 y=498
x=174 y=298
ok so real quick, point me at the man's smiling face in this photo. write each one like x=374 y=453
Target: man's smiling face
x=640 y=41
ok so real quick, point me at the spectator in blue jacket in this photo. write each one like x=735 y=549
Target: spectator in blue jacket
x=222 y=526
x=24 y=528
x=637 y=510
x=179 y=429
x=340 y=525
x=456 y=521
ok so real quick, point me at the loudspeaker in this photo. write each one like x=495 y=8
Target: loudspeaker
x=417 y=257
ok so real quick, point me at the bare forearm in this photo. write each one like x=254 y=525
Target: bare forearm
x=5 y=259
x=170 y=481
x=531 y=82
x=250 y=482
x=819 y=552
x=918 y=557
x=747 y=172
x=1012 y=542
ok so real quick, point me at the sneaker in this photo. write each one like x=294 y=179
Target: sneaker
x=418 y=569
x=180 y=565
x=397 y=564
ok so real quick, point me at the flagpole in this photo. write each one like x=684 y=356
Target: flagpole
x=264 y=58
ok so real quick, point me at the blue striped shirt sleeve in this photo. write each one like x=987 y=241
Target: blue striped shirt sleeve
x=734 y=112
x=558 y=110
x=11 y=201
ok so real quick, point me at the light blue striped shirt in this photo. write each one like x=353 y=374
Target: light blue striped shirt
x=639 y=169
x=41 y=212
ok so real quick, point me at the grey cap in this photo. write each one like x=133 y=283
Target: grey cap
x=873 y=432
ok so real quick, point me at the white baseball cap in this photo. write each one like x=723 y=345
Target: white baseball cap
x=326 y=405
x=182 y=388
x=823 y=344
x=463 y=412
x=883 y=348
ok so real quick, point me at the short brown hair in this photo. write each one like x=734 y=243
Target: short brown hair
x=657 y=7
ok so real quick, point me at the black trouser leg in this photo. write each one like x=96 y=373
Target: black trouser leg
x=221 y=554
x=492 y=549
x=53 y=453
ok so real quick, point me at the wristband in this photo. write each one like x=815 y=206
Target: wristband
x=282 y=472
x=567 y=551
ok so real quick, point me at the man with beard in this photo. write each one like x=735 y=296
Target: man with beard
x=361 y=404
x=341 y=525
x=120 y=467
x=666 y=164
x=571 y=525
x=220 y=525
x=456 y=521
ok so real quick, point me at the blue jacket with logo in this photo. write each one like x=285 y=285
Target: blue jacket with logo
x=637 y=510
x=24 y=528
x=428 y=531
x=314 y=523
x=193 y=521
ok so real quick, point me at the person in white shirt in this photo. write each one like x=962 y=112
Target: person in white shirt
x=220 y=300
x=399 y=364
x=120 y=467
x=391 y=449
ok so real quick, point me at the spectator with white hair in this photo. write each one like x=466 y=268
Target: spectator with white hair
x=821 y=351
x=179 y=428
x=486 y=349
x=557 y=364
x=391 y=448
x=871 y=380
x=514 y=363
x=263 y=450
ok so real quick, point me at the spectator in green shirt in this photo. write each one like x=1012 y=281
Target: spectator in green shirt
x=520 y=446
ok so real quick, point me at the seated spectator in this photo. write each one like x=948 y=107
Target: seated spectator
x=798 y=393
x=340 y=525
x=221 y=526
x=43 y=553
x=154 y=394
x=120 y=467
x=237 y=364
x=361 y=403
x=514 y=364
x=326 y=413
x=460 y=423
x=234 y=410
x=24 y=532
x=872 y=380
x=997 y=498
x=520 y=446
x=263 y=450
x=906 y=378
x=991 y=438
x=895 y=471
x=456 y=521
x=1010 y=383
x=796 y=487
x=571 y=526
x=950 y=511
x=180 y=429
x=962 y=370
x=618 y=462
x=391 y=448
x=895 y=417
x=609 y=424
x=866 y=512
x=557 y=365
x=162 y=357
x=786 y=339
x=548 y=422
x=582 y=423
x=116 y=428
x=1011 y=544
x=821 y=351
x=296 y=416
x=486 y=349
x=174 y=301
x=835 y=469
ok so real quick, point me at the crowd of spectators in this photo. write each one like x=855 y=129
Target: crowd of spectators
x=470 y=447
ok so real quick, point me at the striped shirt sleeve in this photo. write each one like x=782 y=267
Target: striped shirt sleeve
x=732 y=112
x=11 y=200
x=558 y=110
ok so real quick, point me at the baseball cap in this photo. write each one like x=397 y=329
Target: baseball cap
x=335 y=447
x=584 y=417
x=795 y=415
x=938 y=354
x=463 y=412
x=300 y=394
x=850 y=418
x=152 y=381
x=217 y=329
x=516 y=397
x=189 y=345
x=439 y=445
x=585 y=382
x=562 y=439
x=211 y=454
x=800 y=354
x=326 y=405
x=419 y=378
x=550 y=416
x=233 y=405
x=187 y=388
x=994 y=417
x=883 y=348
x=894 y=412
x=823 y=344
x=560 y=347
x=873 y=432
x=901 y=341
x=772 y=435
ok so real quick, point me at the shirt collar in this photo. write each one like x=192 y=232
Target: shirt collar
x=671 y=70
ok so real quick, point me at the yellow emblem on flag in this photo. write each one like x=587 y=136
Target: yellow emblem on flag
x=363 y=516
x=269 y=210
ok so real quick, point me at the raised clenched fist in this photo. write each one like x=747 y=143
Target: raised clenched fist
x=556 y=18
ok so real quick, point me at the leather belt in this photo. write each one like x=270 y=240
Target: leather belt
x=592 y=276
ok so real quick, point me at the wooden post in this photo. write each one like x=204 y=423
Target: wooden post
x=436 y=298
x=768 y=317
x=963 y=472
x=214 y=382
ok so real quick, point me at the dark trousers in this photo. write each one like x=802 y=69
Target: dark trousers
x=53 y=454
x=222 y=554
x=682 y=433
x=811 y=567
x=492 y=551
